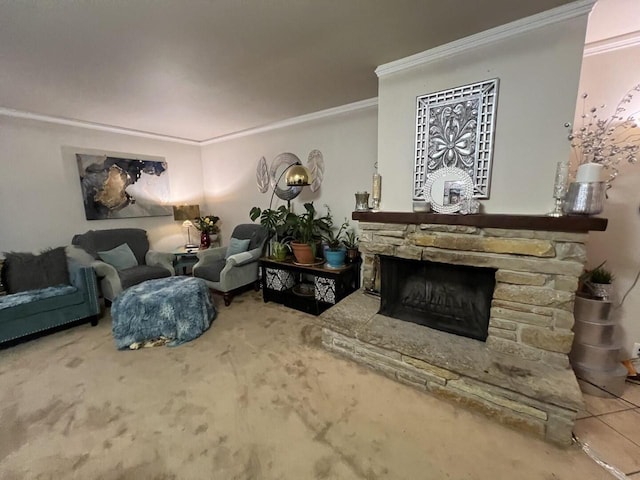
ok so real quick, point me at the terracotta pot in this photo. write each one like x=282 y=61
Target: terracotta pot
x=303 y=253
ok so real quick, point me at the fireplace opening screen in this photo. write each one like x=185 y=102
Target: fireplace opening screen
x=447 y=297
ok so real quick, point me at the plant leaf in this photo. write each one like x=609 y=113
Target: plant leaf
x=316 y=167
x=262 y=175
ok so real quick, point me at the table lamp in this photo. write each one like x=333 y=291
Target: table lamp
x=186 y=213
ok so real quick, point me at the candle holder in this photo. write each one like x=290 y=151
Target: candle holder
x=560 y=188
x=377 y=192
x=362 y=201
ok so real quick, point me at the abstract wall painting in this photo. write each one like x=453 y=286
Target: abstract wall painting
x=114 y=187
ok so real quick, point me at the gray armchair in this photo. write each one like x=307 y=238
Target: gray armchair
x=228 y=275
x=151 y=264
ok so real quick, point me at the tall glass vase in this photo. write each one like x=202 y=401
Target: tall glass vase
x=560 y=187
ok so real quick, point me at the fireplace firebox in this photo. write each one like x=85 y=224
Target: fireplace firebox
x=447 y=297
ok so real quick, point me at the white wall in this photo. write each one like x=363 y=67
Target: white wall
x=606 y=78
x=613 y=18
x=538 y=73
x=40 y=197
x=347 y=142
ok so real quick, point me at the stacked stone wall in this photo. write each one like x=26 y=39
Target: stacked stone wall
x=543 y=419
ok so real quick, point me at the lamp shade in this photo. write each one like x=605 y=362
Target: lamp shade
x=298 y=176
x=186 y=212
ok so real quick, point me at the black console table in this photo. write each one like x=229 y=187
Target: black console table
x=309 y=288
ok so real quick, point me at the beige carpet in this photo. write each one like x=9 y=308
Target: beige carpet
x=254 y=398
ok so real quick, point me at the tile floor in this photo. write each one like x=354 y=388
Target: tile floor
x=611 y=427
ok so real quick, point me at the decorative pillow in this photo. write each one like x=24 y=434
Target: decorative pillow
x=26 y=271
x=120 y=257
x=237 y=246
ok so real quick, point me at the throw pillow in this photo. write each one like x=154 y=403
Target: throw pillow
x=237 y=246
x=26 y=271
x=120 y=257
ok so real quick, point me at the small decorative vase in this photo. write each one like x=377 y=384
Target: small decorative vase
x=205 y=240
x=560 y=188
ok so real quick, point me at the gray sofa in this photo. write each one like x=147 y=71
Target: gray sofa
x=151 y=264
x=33 y=311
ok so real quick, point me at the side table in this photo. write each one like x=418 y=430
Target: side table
x=185 y=259
x=309 y=288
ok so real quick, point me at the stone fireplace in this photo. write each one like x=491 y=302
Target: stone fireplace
x=483 y=308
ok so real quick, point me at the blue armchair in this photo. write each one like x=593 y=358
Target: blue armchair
x=228 y=274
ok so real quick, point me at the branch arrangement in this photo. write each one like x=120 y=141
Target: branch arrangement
x=607 y=141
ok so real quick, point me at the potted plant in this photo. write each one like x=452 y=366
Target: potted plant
x=335 y=252
x=351 y=242
x=306 y=229
x=597 y=283
x=274 y=220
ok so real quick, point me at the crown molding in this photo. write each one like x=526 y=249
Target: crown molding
x=9 y=112
x=502 y=32
x=330 y=112
x=612 y=44
x=341 y=110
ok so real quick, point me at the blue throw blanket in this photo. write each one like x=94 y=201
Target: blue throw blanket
x=178 y=308
x=15 y=299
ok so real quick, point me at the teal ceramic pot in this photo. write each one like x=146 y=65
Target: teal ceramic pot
x=335 y=258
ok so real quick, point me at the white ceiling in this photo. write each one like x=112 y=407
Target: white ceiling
x=200 y=69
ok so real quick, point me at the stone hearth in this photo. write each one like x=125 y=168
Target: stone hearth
x=521 y=374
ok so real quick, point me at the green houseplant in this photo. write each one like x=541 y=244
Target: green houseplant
x=597 y=283
x=601 y=275
x=351 y=242
x=274 y=220
x=336 y=250
x=306 y=230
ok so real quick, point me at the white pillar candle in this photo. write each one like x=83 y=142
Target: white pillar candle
x=589 y=172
